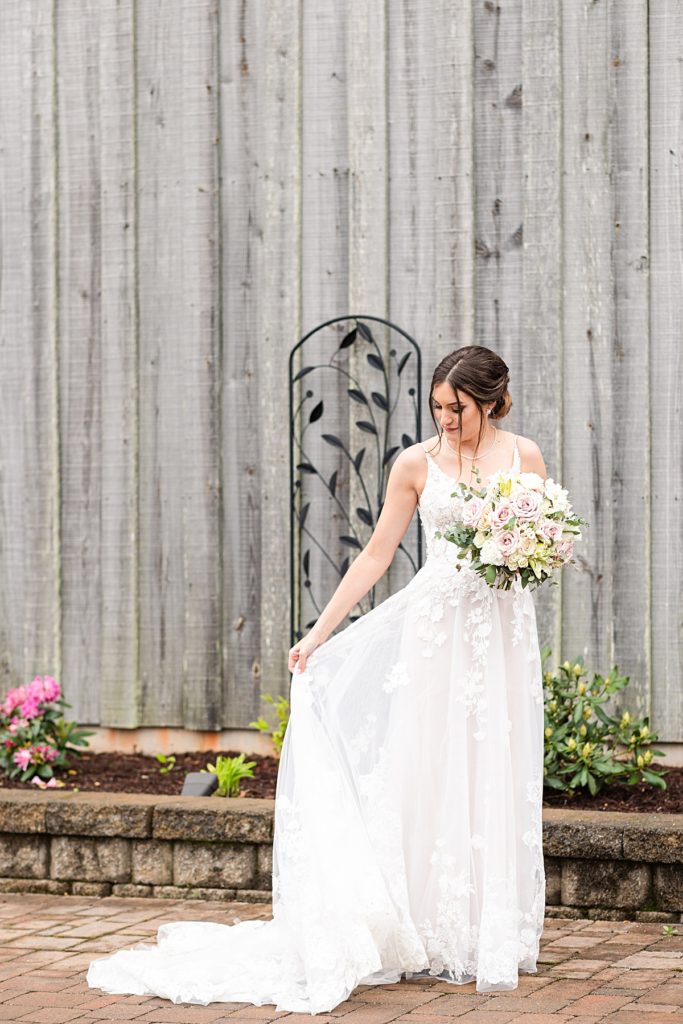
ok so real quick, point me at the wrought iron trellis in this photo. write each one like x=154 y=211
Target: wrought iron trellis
x=399 y=376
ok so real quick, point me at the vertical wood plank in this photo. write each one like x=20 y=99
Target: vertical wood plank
x=498 y=196
x=629 y=488
x=588 y=321
x=201 y=524
x=179 y=522
x=666 y=365
x=324 y=272
x=29 y=411
x=240 y=56
x=276 y=298
x=431 y=160
x=120 y=693
x=80 y=355
x=537 y=387
x=260 y=223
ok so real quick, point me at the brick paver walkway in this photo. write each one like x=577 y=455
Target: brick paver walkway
x=589 y=971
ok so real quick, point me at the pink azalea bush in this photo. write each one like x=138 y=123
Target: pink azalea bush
x=35 y=738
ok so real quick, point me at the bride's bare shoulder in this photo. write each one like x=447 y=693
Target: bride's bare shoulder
x=411 y=463
x=530 y=456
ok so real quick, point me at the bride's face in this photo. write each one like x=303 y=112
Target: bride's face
x=446 y=402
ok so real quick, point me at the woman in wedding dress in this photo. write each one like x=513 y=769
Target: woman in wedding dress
x=408 y=836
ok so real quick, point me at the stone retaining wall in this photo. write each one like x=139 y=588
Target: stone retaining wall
x=598 y=864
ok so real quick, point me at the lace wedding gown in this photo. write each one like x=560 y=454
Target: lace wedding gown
x=408 y=808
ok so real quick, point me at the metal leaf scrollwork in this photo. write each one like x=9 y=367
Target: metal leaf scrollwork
x=351 y=413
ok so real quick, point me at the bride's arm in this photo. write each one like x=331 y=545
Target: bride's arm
x=376 y=557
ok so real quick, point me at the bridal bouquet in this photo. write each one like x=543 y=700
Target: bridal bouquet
x=517 y=527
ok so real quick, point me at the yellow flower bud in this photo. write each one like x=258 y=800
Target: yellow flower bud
x=545 y=771
x=571 y=743
x=587 y=712
x=548 y=732
x=625 y=719
x=553 y=705
x=586 y=749
x=577 y=670
x=641 y=760
x=582 y=730
x=648 y=756
x=645 y=731
x=567 y=666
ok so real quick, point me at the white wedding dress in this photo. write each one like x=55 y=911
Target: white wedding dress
x=408 y=835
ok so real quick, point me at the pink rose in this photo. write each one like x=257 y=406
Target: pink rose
x=551 y=530
x=565 y=549
x=527 y=504
x=472 y=511
x=500 y=515
x=508 y=541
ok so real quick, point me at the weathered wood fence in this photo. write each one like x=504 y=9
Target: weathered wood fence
x=186 y=188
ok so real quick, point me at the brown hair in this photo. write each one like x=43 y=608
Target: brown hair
x=481 y=374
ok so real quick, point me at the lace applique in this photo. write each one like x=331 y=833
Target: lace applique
x=396 y=676
x=360 y=744
x=451 y=928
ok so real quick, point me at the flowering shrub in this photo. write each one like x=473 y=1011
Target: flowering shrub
x=35 y=738
x=584 y=745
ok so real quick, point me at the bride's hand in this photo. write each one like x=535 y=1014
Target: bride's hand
x=301 y=652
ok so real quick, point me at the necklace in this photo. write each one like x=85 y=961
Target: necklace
x=495 y=442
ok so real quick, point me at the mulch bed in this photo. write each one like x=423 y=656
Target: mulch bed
x=139 y=773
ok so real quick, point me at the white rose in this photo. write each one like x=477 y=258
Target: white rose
x=490 y=553
x=557 y=494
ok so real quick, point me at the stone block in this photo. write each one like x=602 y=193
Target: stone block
x=152 y=862
x=589 y=834
x=90 y=860
x=667 y=883
x=208 y=819
x=656 y=837
x=91 y=888
x=101 y=814
x=604 y=883
x=22 y=812
x=39 y=885
x=253 y=896
x=264 y=866
x=130 y=891
x=216 y=865
x=178 y=892
x=23 y=856
x=553 y=881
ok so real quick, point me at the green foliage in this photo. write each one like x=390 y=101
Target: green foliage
x=166 y=763
x=230 y=771
x=585 y=747
x=277 y=734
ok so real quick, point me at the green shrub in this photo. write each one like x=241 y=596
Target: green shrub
x=584 y=745
x=277 y=734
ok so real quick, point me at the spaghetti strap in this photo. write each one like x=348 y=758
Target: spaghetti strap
x=516 y=467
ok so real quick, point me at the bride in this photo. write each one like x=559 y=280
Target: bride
x=408 y=836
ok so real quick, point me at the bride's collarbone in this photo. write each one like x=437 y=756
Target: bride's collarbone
x=485 y=466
